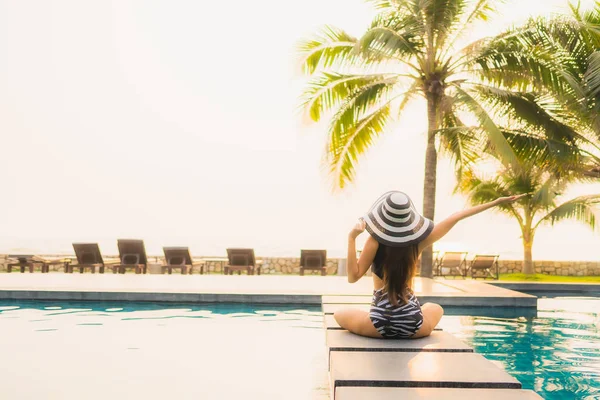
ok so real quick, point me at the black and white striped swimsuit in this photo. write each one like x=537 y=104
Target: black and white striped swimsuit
x=395 y=322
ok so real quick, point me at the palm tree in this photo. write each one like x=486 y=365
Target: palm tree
x=545 y=169
x=411 y=50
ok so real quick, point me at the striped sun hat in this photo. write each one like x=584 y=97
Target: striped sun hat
x=394 y=221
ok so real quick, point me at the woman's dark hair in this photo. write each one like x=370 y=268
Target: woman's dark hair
x=399 y=268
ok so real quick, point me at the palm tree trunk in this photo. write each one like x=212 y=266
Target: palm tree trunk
x=527 y=255
x=430 y=179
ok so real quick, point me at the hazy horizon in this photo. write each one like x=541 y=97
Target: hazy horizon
x=178 y=123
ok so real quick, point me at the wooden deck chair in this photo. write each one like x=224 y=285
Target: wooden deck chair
x=240 y=260
x=313 y=260
x=485 y=266
x=179 y=257
x=452 y=263
x=88 y=256
x=23 y=261
x=132 y=254
x=26 y=261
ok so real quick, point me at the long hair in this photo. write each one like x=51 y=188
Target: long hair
x=399 y=268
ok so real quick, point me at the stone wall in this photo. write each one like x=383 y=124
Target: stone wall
x=287 y=265
x=567 y=268
x=270 y=265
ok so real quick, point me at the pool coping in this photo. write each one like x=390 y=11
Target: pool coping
x=164 y=297
x=575 y=287
x=245 y=289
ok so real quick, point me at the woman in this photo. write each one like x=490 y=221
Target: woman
x=398 y=235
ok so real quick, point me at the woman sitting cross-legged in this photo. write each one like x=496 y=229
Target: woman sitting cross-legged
x=398 y=235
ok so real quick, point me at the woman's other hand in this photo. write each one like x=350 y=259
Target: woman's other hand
x=358 y=228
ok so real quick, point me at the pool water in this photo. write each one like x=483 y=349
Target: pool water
x=556 y=352
x=59 y=350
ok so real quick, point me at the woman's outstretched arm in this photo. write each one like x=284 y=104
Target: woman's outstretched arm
x=443 y=227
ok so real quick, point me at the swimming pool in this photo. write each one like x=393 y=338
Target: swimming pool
x=556 y=352
x=58 y=350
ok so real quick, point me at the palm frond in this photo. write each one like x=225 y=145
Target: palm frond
x=533 y=111
x=582 y=209
x=592 y=75
x=344 y=150
x=360 y=103
x=409 y=95
x=385 y=6
x=399 y=42
x=543 y=198
x=481 y=11
x=462 y=143
x=331 y=46
x=329 y=90
x=525 y=51
x=480 y=191
x=497 y=140
x=550 y=154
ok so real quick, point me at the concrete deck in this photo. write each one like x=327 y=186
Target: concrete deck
x=246 y=289
x=384 y=393
x=342 y=340
x=422 y=369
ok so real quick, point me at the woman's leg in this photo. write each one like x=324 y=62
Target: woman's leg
x=356 y=321
x=432 y=314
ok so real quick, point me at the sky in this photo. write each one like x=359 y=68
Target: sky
x=178 y=122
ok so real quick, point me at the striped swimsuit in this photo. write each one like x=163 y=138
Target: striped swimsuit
x=395 y=322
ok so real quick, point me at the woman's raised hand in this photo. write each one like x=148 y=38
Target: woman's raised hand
x=358 y=228
x=510 y=199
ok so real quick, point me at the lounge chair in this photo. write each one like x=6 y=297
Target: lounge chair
x=179 y=257
x=23 y=261
x=88 y=256
x=452 y=263
x=132 y=254
x=26 y=261
x=240 y=260
x=313 y=260
x=486 y=265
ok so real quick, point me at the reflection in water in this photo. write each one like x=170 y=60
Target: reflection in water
x=556 y=353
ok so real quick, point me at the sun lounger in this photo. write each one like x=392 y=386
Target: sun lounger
x=132 y=254
x=27 y=261
x=240 y=260
x=23 y=261
x=88 y=256
x=484 y=266
x=313 y=260
x=179 y=257
x=452 y=263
